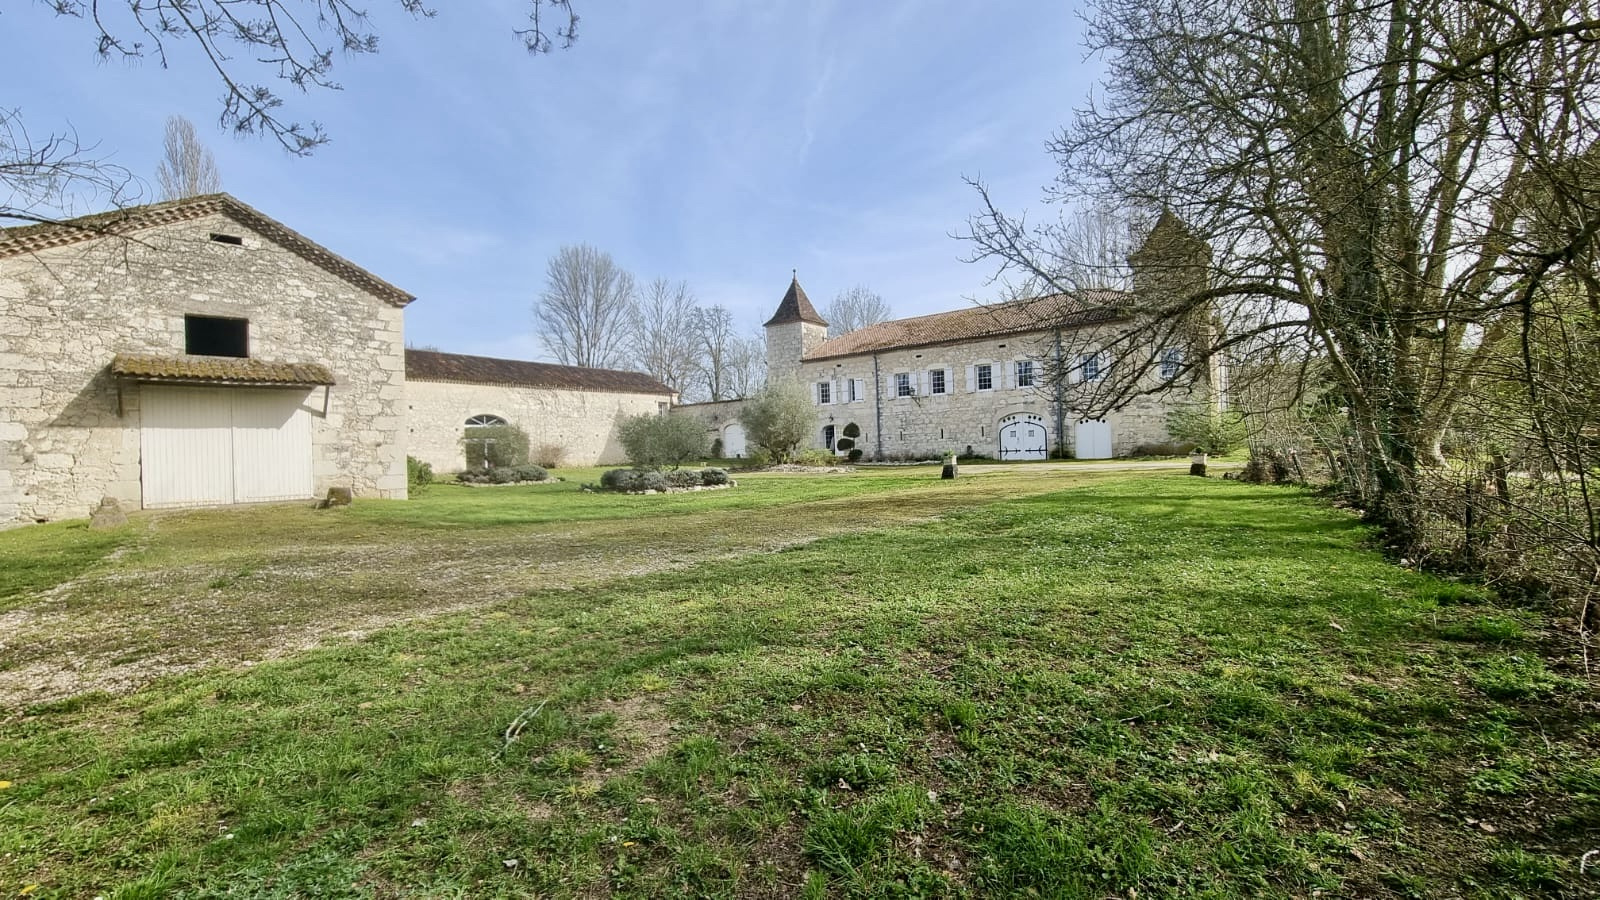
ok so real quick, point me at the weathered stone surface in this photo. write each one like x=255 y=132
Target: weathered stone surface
x=338 y=496
x=69 y=434
x=927 y=424
x=582 y=422
x=107 y=515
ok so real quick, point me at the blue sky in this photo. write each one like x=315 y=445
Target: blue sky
x=720 y=142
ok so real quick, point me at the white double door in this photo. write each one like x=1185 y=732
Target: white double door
x=202 y=446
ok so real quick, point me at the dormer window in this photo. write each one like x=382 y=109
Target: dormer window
x=216 y=336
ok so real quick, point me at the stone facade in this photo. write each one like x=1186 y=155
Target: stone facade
x=582 y=422
x=70 y=431
x=964 y=416
x=957 y=381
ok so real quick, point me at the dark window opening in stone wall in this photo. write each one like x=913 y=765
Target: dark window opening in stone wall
x=216 y=336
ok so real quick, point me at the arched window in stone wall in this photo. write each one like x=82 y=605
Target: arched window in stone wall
x=485 y=419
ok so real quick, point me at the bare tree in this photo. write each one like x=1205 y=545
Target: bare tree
x=1355 y=180
x=855 y=308
x=746 y=367
x=53 y=174
x=187 y=168
x=47 y=175
x=585 y=312
x=292 y=40
x=664 y=340
x=730 y=367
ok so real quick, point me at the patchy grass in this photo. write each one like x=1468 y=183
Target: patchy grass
x=1153 y=684
x=40 y=557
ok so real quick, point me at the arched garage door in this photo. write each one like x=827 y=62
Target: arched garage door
x=1023 y=436
x=733 y=441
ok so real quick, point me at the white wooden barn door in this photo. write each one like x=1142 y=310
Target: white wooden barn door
x=271 y=446
x=211 y=446
x=1092 y=439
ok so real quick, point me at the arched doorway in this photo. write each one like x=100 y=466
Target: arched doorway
x=1024 y=436
x=733 y=441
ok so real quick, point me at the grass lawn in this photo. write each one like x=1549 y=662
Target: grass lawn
x=869 y=685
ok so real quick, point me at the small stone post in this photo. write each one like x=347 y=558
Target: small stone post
x=108 y=514
x=949 y=470
x=1197 y=463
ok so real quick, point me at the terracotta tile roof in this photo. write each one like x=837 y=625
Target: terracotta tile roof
x=991 y=320
x=218 y=370
x=796 y=307
x=31 y=238
x=431 y=365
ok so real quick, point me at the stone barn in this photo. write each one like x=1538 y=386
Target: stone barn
x=192 y=353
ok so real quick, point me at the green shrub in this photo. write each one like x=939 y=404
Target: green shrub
x=620 y=479
x=683 y=478
x=1210 y=430
x=815 y=458
x=653 y=480
x=779 y=418
x=855 y=454
x=418 y=475
x=844 y=445
x=655 y=441
x=852 y=431
x=716 y=449
x=504 y=475
x=501 y=445
x=714 y=476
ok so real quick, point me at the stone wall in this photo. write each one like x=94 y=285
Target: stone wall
x=582 y=422
x=788 y=342
x=717 y=416
x=68 y=436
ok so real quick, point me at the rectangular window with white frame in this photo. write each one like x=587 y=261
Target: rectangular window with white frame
x=985 y=377
x=1089 y=365
x=1171 y=360
x=851 y=395
x=936 y=382
x=1024 y=373
x=824 y=393
x=902 y=385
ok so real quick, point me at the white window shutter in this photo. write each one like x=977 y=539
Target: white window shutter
x=833 y=392
x=861 y=391
x=972 y=378
x=1075 y=371
x=1105 y=363
x=922 y=383
x=816 y=393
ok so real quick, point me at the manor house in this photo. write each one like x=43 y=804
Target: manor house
x=974 y=380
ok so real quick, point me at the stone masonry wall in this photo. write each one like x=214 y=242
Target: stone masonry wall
x=926 y=424
x=584 y=422
x=66 y=436
x=716 y=416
